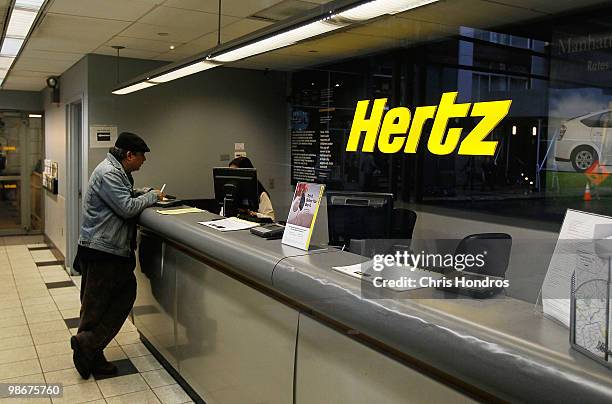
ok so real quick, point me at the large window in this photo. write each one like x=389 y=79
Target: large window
x=554 y=141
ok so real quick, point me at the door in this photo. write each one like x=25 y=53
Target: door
x=74 y=177
x=20 y=172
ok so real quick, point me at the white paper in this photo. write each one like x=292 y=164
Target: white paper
x=578 y=227
x=229 y=224
x=365 y=271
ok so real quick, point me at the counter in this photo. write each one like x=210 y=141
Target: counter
x=243 y=319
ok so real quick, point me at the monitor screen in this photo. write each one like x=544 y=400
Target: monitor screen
x=236 y=188
x=358 y=215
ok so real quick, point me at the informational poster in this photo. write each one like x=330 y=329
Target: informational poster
x=102 y=136
x=574 y=251
x=314 y=154
x=302 y=214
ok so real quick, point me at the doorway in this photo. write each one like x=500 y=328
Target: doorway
x=21 y=150
x=74 y=178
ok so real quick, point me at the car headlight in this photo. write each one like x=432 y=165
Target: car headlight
x=562 y=131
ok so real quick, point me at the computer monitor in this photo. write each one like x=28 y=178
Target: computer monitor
x=236 y=188
x=358 y=215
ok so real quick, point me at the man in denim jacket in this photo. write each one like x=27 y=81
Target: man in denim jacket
x=105 y=254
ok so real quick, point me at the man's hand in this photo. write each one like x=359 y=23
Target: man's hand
x=160 y=194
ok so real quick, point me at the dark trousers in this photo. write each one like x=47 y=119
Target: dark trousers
x=108 y=291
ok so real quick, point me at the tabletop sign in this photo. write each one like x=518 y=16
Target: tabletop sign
x=302 y=214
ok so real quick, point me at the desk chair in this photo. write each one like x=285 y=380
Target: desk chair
x=497 y=246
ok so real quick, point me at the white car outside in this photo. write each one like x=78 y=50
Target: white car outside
x=586 y=139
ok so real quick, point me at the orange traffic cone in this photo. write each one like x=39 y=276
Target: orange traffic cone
x=587 y=193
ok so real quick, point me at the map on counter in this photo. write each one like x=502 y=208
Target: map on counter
x=591 y=317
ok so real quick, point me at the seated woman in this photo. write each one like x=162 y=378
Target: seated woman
x=265 y=204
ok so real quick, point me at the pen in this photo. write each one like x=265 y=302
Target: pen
x=162 y=190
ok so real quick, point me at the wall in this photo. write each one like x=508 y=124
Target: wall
x=190 y=122
x=27 y=101
x=72 y=85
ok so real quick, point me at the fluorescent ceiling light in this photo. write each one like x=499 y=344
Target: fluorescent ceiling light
x=6 y=62
x=183 y=71
x=279 y=40
x=328 y=23
x=31 y=4
x=134 y=87
x=11 y=46
x=20 y=23
x=377 y=8
x=34 y=116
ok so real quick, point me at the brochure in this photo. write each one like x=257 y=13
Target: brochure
x=302 y=214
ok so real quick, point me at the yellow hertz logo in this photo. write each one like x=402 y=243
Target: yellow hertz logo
x=393 y=134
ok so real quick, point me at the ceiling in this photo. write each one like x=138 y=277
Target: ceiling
x=71 y=29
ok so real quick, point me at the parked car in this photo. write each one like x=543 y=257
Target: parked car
x=580 y=139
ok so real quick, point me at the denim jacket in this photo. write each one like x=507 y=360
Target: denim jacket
x=110 y=209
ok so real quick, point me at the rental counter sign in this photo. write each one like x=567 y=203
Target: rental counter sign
x=398 y=129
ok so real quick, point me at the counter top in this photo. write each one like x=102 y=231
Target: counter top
x=503 y=346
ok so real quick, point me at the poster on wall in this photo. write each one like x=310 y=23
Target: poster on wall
x=102 y=136
x=315 y=152
x=302 y=214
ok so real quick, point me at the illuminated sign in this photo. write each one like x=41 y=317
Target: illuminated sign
x=397 y=132
x=8 y=148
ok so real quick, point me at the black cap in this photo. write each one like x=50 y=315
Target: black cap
x=131 y=142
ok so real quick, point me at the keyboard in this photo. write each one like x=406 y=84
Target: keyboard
x=254 y=219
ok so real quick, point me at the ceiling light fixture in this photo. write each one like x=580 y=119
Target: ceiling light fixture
x=20 y=21
x=277 y=36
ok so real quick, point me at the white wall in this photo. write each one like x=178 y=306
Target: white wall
x=73 y=84
x=190 y=122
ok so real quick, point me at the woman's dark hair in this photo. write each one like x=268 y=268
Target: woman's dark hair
x=245 y=162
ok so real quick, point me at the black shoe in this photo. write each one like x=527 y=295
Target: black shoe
x=82 y=364
x=103 y=367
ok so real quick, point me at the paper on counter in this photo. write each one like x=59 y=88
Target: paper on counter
x=229 y=224
x=575 y=240
x=180 y=211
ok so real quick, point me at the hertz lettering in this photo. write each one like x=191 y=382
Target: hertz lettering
x=396 y=131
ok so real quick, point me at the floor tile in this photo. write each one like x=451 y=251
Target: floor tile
x=158 y=378
x=15 y=342
x=33 y=378
x=135 y=350
x=32 y=400
x=114 y=353
x=33 y=300
x=14 y=331
x=117 y=386
x=43 y=317
x=63 y=284
x=73 y=312
x=79 y=393
x=72 y=322
x=10 y=312
x=47 y=337
x=68 y=377
x=125 y=367
x=146 y=363
x=39 y=308
x=57 y=362
x=140 y=397
x=128 y=338
x=173 y=394
x=53 y=348
x=22 y=368
x=52 y=325
x=17 y=354
x=12 y=321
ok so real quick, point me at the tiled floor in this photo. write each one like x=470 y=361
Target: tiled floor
x=39 y=309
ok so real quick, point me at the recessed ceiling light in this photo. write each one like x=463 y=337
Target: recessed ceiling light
x=171 y=47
